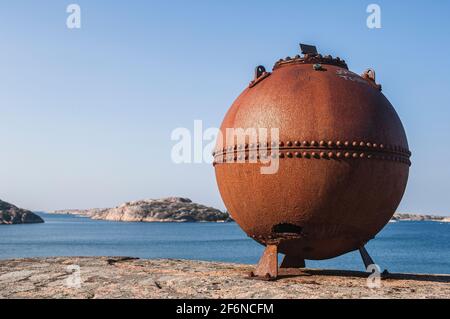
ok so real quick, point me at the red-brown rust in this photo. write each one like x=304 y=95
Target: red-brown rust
x=343 y=159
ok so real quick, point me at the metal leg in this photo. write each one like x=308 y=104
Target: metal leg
x=366 y=257
x=290 y=261
x=268 y=264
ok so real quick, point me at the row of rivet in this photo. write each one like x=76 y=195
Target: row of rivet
x=311 y=59
x=316 y=155
x=313 y=144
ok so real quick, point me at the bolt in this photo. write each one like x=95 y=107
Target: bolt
x=317 y=67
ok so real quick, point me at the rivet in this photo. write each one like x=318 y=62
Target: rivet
x=289 y=154
x=252 y=145
x=281 y=155
x=306 y=154
x=362 y=144
x=281 y=144
x=362 y=155
x=297 y=143
x=330 y=143
x=240 y=146
x=289 y=143
x=381 y=146
x=274 y=155
x=369 y=156
x=355 y=155
x=346 y=143
x=369 y=144
x=323 y=154
x=347 y=155
x=375 y=145
x=313 y=143
x=338 y=154
x=240 y=157
x=317 y=67
x=298 y=155
x=338 y=143
x=322 y=143
x=305 y=143
x=315 y=155
x=330 y=154
x=274 y=144
x=355 y=143
x=288 y=58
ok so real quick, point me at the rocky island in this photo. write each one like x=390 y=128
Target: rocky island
x=172 y=209
x=417 y=217
x=10 y=214
x=178 y=209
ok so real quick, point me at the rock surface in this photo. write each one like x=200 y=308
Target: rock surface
x=172 y=209
x=10 y=214
x=121 y=277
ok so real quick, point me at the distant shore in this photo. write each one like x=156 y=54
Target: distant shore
x=418 y=217
x=171 y=209
x=121 y=277
x=117 y=214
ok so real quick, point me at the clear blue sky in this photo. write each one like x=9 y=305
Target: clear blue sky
x=86 y=115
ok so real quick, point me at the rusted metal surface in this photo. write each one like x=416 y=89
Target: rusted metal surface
x=343 y=158
x=268 y=264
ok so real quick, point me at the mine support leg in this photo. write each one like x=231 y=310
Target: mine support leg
x=268 y=264
x=290 y=261
x=366 y=257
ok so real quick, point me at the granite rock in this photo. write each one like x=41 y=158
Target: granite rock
x=122 y=277
x=172 y=209
x=10 y=214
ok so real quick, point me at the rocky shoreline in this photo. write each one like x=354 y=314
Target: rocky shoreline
x=10 y=214
x=417 y=217
x=122 y=277
x=172 y=209
x=177 y=209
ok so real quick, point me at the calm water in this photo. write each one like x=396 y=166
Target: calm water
x=419 y=247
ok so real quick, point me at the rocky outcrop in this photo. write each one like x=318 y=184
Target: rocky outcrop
x=172 y=209
x=10 y=214
x=120 y=277
x=416 y=217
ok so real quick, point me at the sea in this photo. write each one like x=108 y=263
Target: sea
x=405 y=246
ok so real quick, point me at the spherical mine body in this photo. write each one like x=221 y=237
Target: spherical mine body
x=342 y=153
